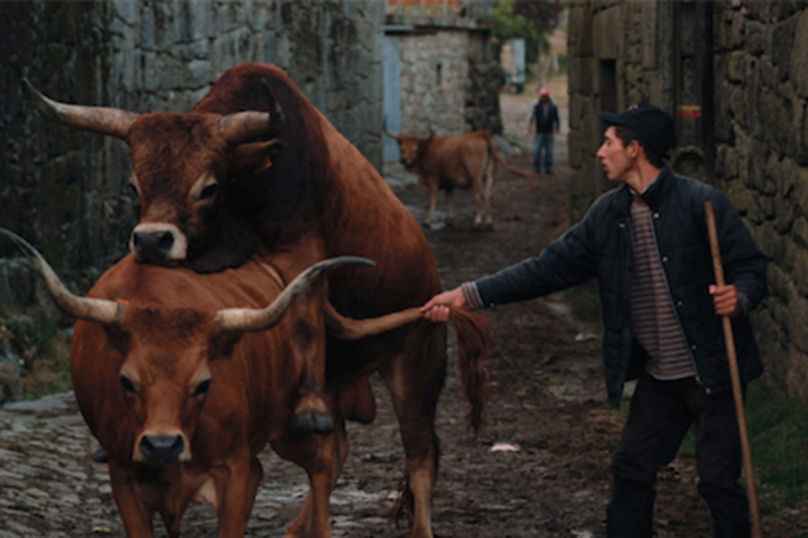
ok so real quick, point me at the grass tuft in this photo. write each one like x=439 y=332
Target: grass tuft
x=778 y=433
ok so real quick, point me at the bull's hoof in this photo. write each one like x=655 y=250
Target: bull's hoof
x=311 y=421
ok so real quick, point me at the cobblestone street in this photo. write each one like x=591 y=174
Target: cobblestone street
x=46 y=476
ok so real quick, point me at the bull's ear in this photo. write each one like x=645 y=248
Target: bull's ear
x=117 y=339
x=257 y=156
x=222 y=343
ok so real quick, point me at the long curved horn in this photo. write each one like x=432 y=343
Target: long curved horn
x=253 y=125
x=108 y=121
x=254 y=319
x=388 y=133
x=353 y=329
x=100 y=310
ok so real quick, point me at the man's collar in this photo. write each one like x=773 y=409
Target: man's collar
x=657 y=190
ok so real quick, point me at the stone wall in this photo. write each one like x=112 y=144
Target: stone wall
x=617 y=56
x=448 y=84
x=66 y=191
x=761 y=97
x=434 y=82
x=735 y=77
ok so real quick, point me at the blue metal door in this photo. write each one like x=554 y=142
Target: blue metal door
x=392 y=96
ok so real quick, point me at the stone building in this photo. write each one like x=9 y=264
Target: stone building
x=440 y=75
x=66 y=191
x=734 y=74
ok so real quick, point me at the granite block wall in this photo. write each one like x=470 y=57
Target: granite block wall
x=750 y=138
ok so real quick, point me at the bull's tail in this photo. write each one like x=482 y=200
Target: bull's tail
x=492 y=150
x=473 y=339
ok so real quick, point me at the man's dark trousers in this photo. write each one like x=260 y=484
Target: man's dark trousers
x=661 y=414
x=543 y=152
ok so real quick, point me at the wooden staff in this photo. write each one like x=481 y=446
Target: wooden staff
x=749 y=470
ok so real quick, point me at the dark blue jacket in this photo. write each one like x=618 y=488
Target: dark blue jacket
x=600 y=246
x=545 y=123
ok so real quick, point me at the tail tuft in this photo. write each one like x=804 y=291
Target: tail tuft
x=473 y=340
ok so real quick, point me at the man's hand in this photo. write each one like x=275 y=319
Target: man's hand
x=437 y=308
x=725 y=299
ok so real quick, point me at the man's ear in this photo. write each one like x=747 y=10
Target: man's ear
x=257 y=156
x=635 y=149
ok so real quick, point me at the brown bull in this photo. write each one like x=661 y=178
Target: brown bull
x=255 y=157
x=180 y=379
x=455 y=162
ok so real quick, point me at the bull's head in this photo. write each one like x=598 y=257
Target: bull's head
x=178 y=162
x=165 y=376
x=411 y=148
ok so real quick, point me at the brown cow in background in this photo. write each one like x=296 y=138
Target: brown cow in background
x=183 y=383
x=455 y=162
x=254 y=166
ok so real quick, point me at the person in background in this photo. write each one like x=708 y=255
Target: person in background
x=544 y=118
x=647 y=243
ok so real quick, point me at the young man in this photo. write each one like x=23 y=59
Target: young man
x=647 y=243
x=544 y=117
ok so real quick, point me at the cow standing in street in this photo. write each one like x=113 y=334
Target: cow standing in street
x=455 y=162
x=184 y=378
x=183 y=383
x=254 y=166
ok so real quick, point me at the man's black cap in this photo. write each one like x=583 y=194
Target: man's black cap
x=653 y=127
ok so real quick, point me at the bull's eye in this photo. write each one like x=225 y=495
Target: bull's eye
x=202 y=388
x=134 y=191
x=127 y=384
x=209 y=191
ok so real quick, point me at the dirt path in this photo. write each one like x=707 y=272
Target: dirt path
x=547 y=401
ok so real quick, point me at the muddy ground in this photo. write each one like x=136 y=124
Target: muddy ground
x=547 y=401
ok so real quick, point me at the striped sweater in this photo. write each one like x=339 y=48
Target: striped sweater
x=656 y=324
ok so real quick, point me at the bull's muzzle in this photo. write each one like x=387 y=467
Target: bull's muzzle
x=158 y=243
x=161 y=449
x=153 y=245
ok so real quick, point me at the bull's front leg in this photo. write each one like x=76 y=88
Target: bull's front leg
x=449 y=207
x=479 y=199
x=488 y=193
x=322 y=457
x=136 y=516
x=236 y=486
x=432 y=183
